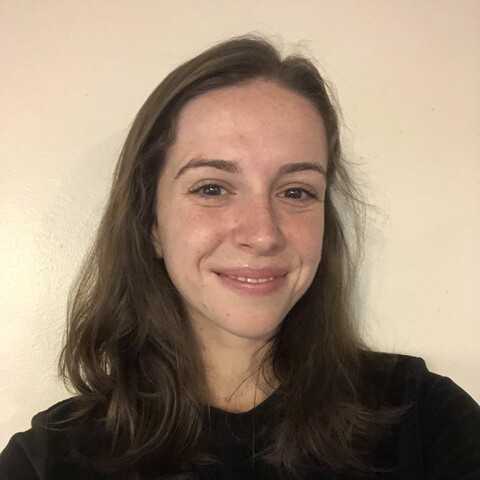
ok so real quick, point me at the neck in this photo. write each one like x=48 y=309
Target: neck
x=234 y=375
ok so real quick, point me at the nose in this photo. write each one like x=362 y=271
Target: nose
x=258 y=227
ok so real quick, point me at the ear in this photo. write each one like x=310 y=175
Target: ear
x=157 y=244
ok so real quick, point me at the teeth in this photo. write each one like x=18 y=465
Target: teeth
x=251 y=280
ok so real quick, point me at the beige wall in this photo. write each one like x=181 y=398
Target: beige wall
x=407 y=74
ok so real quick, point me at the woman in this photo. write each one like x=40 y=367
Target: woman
x=211 y=334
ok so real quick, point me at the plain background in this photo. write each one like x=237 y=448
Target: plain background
x=407 y=74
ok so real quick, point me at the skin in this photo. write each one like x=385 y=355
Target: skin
x=248 y=215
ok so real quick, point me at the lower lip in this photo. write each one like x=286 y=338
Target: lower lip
x=264 y=288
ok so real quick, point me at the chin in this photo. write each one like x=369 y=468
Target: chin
x=256 y=331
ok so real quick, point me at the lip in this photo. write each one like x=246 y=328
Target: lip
x=275 y=278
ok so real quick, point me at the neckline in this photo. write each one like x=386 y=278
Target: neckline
x=254 y=410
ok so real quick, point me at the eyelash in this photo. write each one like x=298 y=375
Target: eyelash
x=198 y=191
x=310 y=194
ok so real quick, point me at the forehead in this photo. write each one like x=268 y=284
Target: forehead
x=259 y=118
x=256 y=102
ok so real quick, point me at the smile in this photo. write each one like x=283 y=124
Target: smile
x=251 y=280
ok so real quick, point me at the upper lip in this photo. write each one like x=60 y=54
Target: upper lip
x=249 y=272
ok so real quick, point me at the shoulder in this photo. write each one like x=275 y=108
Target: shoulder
x=46 y=450
x=402 y=380
x=47 y=426
x=439 y=432
x=407 y=380
x=59 y=412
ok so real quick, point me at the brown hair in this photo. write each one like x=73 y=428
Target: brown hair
x=130 y=350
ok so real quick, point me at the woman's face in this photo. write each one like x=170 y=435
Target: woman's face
x=240 y=207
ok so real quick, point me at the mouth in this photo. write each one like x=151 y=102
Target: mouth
x=249 y=281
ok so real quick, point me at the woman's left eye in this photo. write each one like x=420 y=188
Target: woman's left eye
x=298 y=193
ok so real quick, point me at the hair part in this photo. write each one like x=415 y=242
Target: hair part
x=130 y=351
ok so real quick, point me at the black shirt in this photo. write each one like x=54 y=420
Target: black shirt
x=438 y=438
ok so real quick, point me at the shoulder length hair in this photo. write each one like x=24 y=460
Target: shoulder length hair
x=130 y=351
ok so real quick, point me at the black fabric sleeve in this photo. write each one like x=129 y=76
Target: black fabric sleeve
x=438 y=435
x=449 y=422
x=26 y=457
x=17 y=463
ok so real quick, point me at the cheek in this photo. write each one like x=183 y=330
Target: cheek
x=307 y=236
x=188 y=237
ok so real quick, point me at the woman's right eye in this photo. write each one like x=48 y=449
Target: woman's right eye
x=209 y=190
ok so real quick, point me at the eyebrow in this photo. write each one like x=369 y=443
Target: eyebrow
x=225 y=165
x=232 y=167
x=302 y=166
